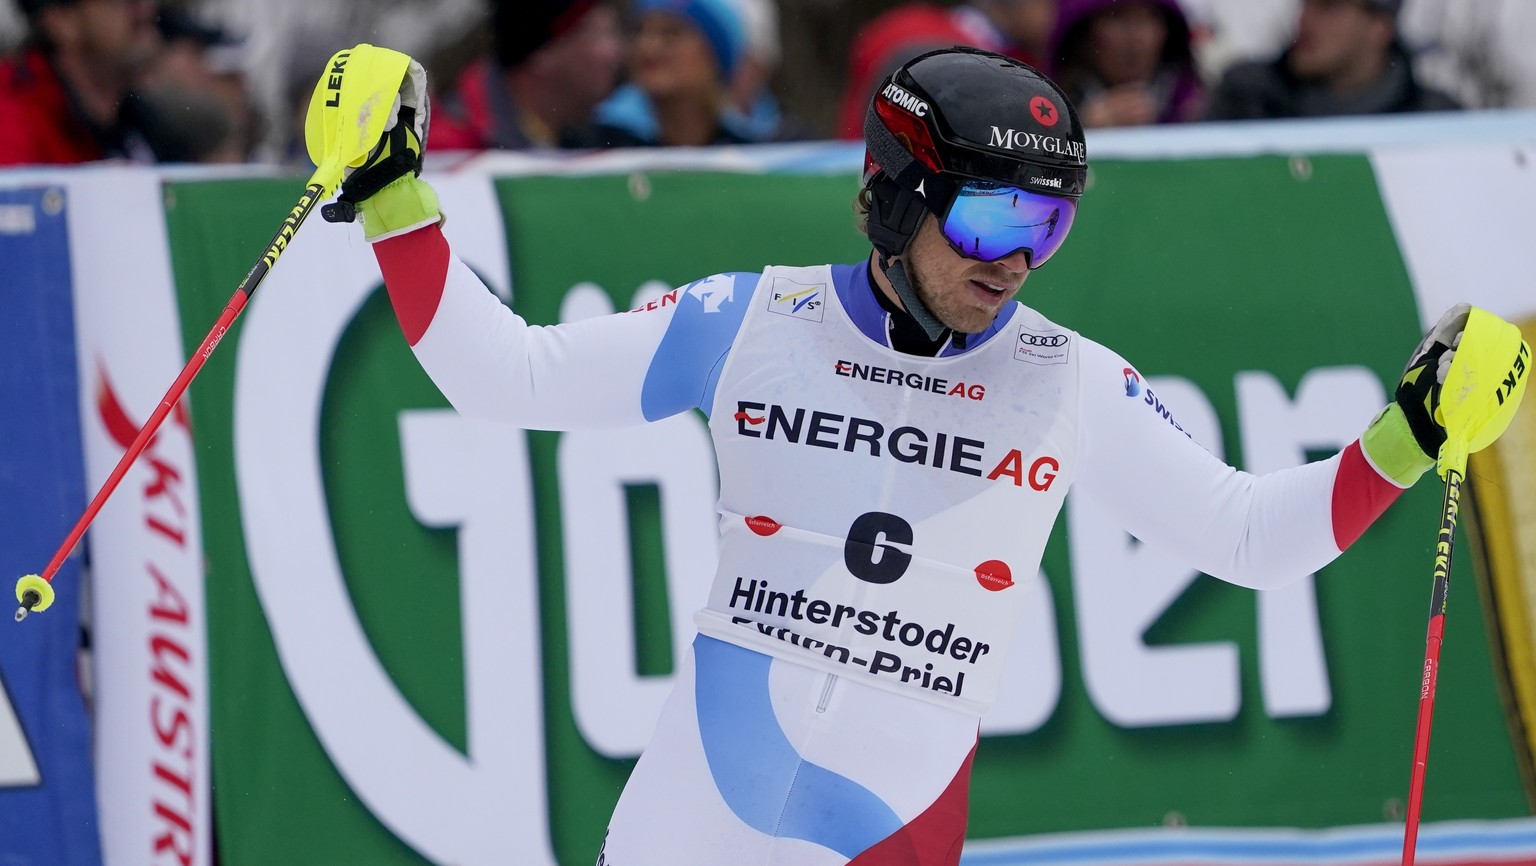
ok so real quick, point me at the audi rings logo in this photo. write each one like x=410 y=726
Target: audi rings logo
x=1042 y=347
x=1044 y=341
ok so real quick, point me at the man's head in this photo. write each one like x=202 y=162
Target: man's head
x=1335 y=38
x=110 y=35
x=975 y=163
x=568 y=47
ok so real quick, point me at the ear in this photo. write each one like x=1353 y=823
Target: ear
x=895 y=215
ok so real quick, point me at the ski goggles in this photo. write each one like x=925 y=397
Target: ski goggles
x=990 y=221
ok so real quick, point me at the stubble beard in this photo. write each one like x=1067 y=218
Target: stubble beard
x=951 y=316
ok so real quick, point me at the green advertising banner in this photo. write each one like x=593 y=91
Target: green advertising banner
x=1265 y=298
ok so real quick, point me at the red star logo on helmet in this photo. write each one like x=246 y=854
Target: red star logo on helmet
x=1044 y=111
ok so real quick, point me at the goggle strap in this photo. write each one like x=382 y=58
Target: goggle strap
x=897 y=274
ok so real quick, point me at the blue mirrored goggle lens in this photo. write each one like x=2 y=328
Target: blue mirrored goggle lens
x=990 y=222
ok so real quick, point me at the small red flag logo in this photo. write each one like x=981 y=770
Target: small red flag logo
x=763 y=525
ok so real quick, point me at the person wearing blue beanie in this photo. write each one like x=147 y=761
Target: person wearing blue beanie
x=681 y=62
x=718 y=21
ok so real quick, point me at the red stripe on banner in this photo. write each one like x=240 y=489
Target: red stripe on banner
x=933 y=838
x=1360 y=495
x=109 y=408
x=415 y=266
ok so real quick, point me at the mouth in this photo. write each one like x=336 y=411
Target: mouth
x=988 y=292
x=996 y=288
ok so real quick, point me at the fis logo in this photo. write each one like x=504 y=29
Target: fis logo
x=797 y=300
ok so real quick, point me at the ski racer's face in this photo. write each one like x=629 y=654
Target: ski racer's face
x=965 y=294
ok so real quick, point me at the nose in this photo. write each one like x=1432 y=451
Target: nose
x=1018 y=262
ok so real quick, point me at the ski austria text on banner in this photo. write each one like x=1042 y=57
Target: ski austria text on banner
x=146 y=546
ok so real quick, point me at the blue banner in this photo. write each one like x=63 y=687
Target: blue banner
x=47 y=787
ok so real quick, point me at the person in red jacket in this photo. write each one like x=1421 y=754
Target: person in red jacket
x=64 y=95
x=552 y=62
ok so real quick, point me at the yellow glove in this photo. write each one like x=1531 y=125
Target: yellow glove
x=1482 y=388
x=1456 y=396
x=382 y=185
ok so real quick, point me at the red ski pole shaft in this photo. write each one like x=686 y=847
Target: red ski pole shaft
x=312 y=194
x=1444 y=545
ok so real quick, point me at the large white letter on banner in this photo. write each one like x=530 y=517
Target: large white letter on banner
x=487 y=807
x=1331 y=409
x=1122 y=587
x=615 y=707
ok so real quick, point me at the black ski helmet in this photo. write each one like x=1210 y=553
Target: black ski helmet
x=961 y=114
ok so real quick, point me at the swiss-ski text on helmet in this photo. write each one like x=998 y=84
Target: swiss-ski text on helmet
x=1017 y=139
x=905 y=100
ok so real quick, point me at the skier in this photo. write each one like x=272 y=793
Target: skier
x=895 y=438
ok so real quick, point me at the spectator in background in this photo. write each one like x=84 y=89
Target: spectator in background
x=750 y=97
x=1479 y=51
x=1231 y=31
x=1346 y=59
x=751 y=112
x=1127 y=62
x=681 y=65
x=554 y=61
x=886 y=42
x=1020 y=29
x=197 y=88
x=66 y=96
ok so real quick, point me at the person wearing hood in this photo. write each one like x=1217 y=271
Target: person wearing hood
x=1127 y=62
x=1347 y=59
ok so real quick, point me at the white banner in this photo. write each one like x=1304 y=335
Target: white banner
x=146 y=547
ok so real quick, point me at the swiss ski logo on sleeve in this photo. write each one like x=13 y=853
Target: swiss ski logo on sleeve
x=713 y=291
x=798 y=300
x=1135 y=386
x=1132 y=382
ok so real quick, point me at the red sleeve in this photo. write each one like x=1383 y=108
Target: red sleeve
x=1360 y=495
x=415 y=268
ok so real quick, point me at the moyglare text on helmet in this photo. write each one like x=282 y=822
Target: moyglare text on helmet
x=1014 y=139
